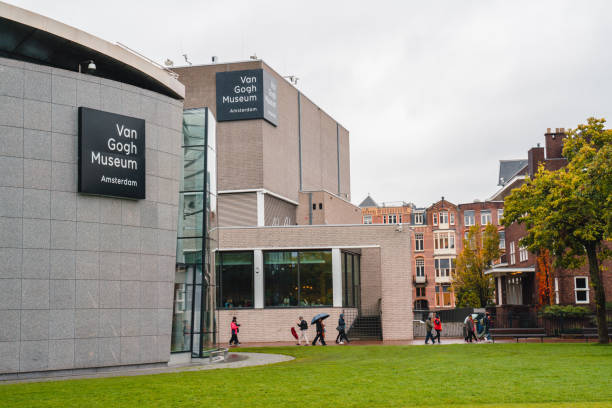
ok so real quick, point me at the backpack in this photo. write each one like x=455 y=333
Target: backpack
x=303 y=325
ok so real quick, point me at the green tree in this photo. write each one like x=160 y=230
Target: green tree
x=480 y=249
x=569 y=211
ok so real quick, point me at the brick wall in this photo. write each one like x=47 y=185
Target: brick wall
x=395 y=265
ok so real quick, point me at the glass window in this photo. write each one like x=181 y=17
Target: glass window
x=191 y=211
x=418 y=218
x=512 y=254
x=281 y=278
x=523 y=254
x=293 y=278
x=418 y=242
x=502 y=239
x=420 y=291
x=469 y=218
x=485 y=217
x=444 y=267
x=444 y=217
x=444 y=240
x=581 y=289
x=181 y=319
x=452 y=218
x=315 y=276
x=392 y=219
x=500 y=215
x=367 y=219
x=234 y=280
x=384 y=219
x=420 y=267
x=435 y=218
x=193 y=169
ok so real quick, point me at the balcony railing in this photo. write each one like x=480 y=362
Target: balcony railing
x=443 y=279
x=419 y=279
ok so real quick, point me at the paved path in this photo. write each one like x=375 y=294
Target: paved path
x=235 y=360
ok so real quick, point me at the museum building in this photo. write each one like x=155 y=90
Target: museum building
x=141 y=208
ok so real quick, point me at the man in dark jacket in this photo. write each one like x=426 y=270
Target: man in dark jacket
x=341 y=330
x=320 y=335
x=429 y=328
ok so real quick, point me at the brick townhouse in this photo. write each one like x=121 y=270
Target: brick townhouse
x=516 y=281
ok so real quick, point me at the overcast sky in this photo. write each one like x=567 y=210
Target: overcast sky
x=434 y=93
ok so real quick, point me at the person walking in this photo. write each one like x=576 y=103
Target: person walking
x=341 y=330
x=429 y=328
x=320 y=333
x=487 y=326
x=301 y=323
x=469 y=328
x=438 y=328
x=234 y=327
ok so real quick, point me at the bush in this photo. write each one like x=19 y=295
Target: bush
x=569 y=311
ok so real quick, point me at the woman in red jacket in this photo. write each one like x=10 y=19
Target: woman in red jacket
x=234 y=327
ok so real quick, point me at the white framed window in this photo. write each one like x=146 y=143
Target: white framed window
x=443 y=217
x=556 y=291
x=435 y=218
x=502 y=239
x=451 y=218
x=581 y=289
x=400 y=218
x=444 y=240
x=468 y=218
x=523 y=255
x=500 y=215
x=420 y=267
x=445 y=267
x=418 y=218
x=392 y=218
x=512 y=254
x=418 y=242
x=367 y=219
x=384 y=218
x=485 y=217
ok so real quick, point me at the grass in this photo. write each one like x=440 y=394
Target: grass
x=492 y=375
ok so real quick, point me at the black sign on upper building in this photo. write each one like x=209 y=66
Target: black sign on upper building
x=111 y=154
x=248 y=94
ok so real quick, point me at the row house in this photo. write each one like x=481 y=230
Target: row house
x=517 y=291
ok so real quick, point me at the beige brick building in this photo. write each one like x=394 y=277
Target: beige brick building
x=286 y=240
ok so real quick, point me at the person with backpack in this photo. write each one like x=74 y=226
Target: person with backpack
x=234 y=327
x=341 y=330
x=301 y=323
x=437 y=323
x=429 y=328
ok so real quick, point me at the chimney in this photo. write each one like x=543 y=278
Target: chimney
x=554 y=143
x=535 y=156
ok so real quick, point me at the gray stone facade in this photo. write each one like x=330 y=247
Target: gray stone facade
x=84 y=281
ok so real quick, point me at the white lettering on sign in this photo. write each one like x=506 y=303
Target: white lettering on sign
x=248 y=80
x=125 y=132
x=110 y=161
x=127 y=148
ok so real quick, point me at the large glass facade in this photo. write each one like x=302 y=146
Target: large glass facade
x=298 y=278
x=234 y=279
x=193 y=326
x=351 y=277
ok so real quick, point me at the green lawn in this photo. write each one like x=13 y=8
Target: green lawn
x=488 y=375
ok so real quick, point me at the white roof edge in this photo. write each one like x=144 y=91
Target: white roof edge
x=73 y=34
x=505 y=186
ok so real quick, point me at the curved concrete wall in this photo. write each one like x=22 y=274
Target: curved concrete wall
x=84 y=281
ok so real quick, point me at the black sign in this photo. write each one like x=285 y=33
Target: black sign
x=111 y=154
x=250 y=94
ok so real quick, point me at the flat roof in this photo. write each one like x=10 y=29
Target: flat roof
x=34 y=38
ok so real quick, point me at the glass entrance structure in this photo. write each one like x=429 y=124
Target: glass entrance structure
x=193 y=322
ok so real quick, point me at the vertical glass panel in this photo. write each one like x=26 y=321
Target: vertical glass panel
x=212 y=131
x=181 y=319
x=189 y=250
x=193 y=169
x=281 y=278
x=350 y=299
x=194 y=127
x=357 y=279
x=235 y=279
x=316 y=287
x=192 y=214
